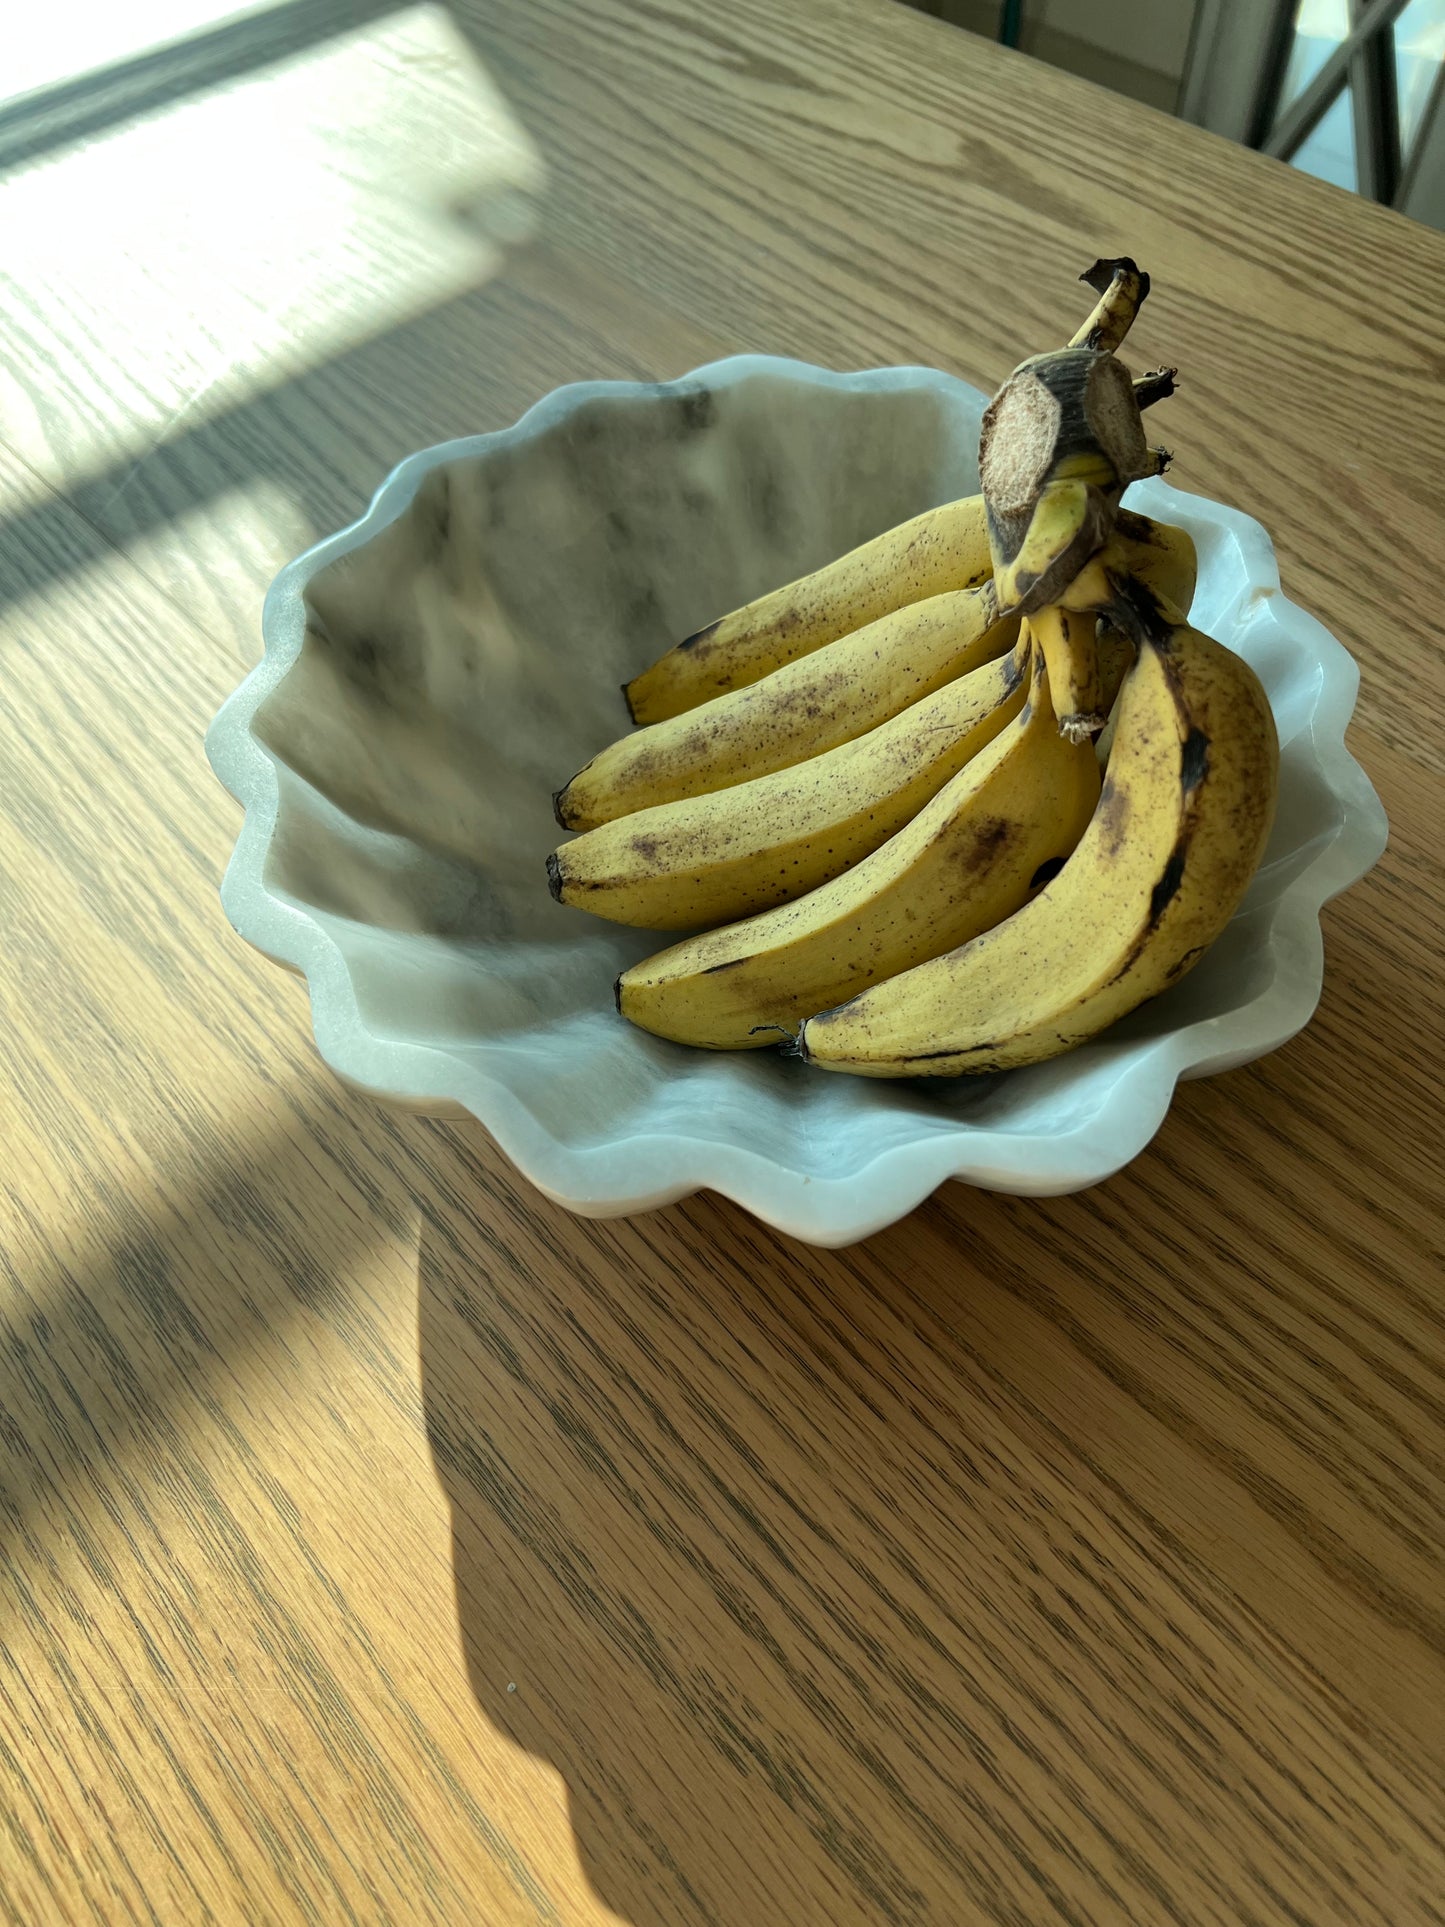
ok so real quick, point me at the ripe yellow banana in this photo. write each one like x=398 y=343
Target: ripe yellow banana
x=970 y=858
x=842 y=690
x=826 y=698
x=944 y=548
x=709 y=859
x=1180 y=826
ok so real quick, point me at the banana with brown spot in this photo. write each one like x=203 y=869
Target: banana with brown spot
x=943 y=549
x=992 y=835
x=844 y=690
x=1181 y=825
x=801 y=710
x=707 y=860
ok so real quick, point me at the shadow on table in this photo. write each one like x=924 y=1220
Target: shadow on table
x=704 y=1485
x=121 y=1316
x=819 y=1577
x=623 y=1601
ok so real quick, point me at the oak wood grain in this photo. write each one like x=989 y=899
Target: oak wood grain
x=378 y=1542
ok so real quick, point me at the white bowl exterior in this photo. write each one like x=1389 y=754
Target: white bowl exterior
x=606 y=1120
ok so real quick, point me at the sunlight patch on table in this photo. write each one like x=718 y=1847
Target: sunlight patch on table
x=177 y=264
x=48 y=45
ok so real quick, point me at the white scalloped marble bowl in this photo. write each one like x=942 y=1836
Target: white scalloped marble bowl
x=433 y=672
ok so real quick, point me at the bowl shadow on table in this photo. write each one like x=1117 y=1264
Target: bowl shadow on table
x=720 y=1508
x=614 y=1613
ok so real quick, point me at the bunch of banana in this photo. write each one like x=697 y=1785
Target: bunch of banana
x=964 y=797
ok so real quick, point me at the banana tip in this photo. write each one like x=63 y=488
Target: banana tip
x=557 y=795
x=554 y=875
x=617 y=992
x=627 y=699
x=792 y=1041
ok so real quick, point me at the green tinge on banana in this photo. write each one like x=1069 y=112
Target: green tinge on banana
x=710 y=859
x=967 y=860
x=838 y=692
x=1181 y=824
x=943 y=549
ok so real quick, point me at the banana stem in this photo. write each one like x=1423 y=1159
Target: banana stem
x=1106 y=587
x=1139 y=612
x=1069 y=645
x=1122 y=287
x=792 y=1044
x=1158 y=385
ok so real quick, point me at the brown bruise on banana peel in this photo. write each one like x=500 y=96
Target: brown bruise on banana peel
x=968 y=859
x=1113 y=815
x=1247 y=843
x=1140 y=613
x=700 y=637
x=1194 y=760
x=797 y=712
x=656 y=881
x=939 y=550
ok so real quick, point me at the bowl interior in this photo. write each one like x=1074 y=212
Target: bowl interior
x=463 y=660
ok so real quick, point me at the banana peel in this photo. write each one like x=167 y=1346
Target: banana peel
x=849 y=783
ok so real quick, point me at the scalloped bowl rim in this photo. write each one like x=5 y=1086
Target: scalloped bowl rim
x=661 y=1169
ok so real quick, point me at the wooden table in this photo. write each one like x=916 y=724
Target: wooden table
x=383 y=1544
